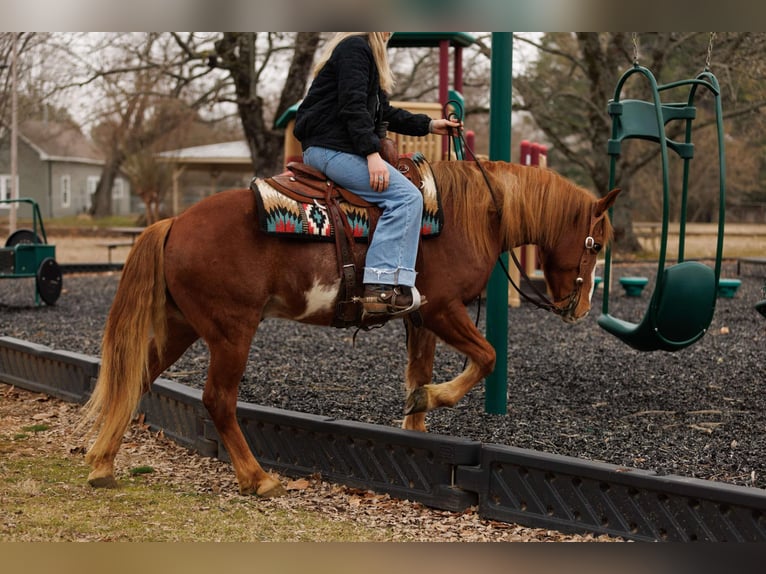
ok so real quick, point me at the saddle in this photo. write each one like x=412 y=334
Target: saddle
x=306 y=184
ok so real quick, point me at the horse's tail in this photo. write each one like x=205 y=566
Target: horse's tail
x=138 y=312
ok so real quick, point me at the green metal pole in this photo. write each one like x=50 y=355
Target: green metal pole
x=496 y=385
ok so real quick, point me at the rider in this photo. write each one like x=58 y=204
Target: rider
x=338 y=124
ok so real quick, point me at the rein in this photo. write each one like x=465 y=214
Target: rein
x=591 y=248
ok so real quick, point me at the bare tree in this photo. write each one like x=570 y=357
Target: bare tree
x=148 y=179
x=221 y=74
x=254 y=62
x=136 y=76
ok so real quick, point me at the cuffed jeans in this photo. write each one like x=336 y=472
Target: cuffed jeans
x=394 y=248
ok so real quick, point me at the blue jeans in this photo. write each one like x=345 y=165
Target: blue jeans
x=394 y=248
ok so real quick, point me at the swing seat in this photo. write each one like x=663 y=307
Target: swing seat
x=761 y=307
x=638 y=119
x=679 y=314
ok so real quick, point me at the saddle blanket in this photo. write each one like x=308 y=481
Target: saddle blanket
x=284 y=216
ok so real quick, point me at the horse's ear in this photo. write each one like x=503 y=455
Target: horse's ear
x=607 y=201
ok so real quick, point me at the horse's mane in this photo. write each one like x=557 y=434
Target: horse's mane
x=534 y=202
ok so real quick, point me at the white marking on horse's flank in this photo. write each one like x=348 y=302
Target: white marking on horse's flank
x=321 y=297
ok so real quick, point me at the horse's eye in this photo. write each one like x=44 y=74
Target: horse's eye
x=596 y=247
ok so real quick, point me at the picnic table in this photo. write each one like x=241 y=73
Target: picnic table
x=133 y=232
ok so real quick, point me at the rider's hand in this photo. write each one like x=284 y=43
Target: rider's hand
x=378 y=169
x=445 y=127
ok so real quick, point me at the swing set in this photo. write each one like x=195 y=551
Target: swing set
x=683 y=300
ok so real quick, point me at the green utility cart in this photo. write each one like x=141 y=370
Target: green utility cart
x=28 y=254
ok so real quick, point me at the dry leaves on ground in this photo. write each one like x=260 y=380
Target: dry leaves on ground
x=174 y=464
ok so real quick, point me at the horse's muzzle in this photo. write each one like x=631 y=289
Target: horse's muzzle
x=571 y=318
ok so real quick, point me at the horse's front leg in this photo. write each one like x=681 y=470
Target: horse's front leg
x=453 y=326
x=421 y=345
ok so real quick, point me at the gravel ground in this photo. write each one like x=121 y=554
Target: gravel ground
x=572 y=389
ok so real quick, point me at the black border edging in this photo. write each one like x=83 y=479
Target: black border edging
x=414 y=466
x=403 y=464
x=575 y=495
x=68 y=268
x=508 y=484
x=177 y=410
x=62 y=374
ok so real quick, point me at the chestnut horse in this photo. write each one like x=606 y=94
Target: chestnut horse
x=211 y=273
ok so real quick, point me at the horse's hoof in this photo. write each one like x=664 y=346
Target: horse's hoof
x=417 y=401
x=272 y=491
x=103 y=482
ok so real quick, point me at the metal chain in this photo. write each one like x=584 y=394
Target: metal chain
x=709 y=51
x=707 y=59
x=635 y=49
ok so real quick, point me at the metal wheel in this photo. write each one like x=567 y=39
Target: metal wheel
x=22 y=236
x=49 y=281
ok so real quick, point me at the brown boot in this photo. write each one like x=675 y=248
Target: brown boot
x=391 y=300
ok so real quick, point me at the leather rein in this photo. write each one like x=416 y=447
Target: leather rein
x=588 y=257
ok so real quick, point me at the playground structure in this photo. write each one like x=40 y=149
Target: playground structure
x=27 y=254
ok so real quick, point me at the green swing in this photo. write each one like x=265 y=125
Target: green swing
x=683 y=301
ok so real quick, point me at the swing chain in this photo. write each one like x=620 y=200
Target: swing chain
x=709 y=51
x=707 y=59
x=635 y=49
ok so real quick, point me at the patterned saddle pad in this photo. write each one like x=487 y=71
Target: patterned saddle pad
x=281 y=215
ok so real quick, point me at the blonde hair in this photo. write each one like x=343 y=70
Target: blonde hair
x=378 y=44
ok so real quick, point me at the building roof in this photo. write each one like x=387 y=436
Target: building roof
x=56 y=141
x=228 y=155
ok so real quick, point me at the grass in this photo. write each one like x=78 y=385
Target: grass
x=88 y=222
x=45 y=498
x=77 y=222
x=36 y=428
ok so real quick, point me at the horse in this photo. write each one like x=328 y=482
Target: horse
x=212 y=273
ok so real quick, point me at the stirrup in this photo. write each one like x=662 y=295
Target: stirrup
x=417 y=301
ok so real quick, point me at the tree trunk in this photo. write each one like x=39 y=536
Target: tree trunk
x=236 y=52
x=102 y=198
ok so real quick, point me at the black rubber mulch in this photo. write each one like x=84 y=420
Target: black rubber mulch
x=572 y=389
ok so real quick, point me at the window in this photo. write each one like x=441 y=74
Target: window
x=66 y=191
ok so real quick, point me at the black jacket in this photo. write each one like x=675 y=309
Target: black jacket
x=345 y=101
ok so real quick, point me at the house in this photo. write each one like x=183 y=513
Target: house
x=58 y=167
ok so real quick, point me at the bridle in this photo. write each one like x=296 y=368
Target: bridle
x=591 y=248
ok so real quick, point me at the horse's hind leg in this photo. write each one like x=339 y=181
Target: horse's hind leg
x=102 y=455
x=421 y=346
x=180 y=336
x=227 y=363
